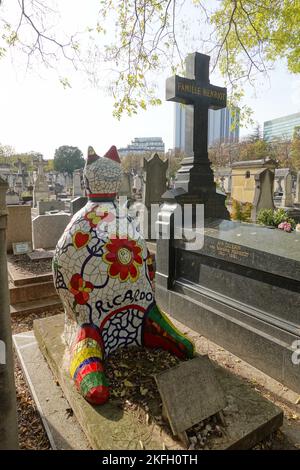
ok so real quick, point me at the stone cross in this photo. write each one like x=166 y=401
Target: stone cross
x=194 y=90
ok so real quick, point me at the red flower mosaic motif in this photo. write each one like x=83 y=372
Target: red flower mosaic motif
x=98 y=215
x=124 y=259
x=80 y=288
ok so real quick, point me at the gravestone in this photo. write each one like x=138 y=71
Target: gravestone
x=47 y=229
x=125 y=188
x=223 y=178
x=197 y=380
x=239 y=286
x=40 y=188
x=287 y=188
x=155 y=180
x=253 y=181
x=12 y=198
x=77 y=177
x=77 y=204
x=155 y=185
x=19 y=227
x=195 y=179
x=46 y=206
x=137 y=185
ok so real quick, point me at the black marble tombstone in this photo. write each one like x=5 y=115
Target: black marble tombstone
x=195 y=180
x=242 y=287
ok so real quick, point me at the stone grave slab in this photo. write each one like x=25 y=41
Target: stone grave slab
x=249 y=417
x=197 y=380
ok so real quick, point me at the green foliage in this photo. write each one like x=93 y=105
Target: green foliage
x=265 y=217
x=254 y=35
x=241 y=211
x=67 y=159
x=272 y=218
x=246 y=37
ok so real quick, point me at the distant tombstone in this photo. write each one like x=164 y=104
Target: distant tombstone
x=287 y=187
x=253 y=181
x=52 y=205
x=47 y=229
x=223 y=178
x=137 y=185
x=40 y=189
x=125 y=188
x=155 y=171
x=12 y=198
x=77 y=189
x=297 y=197
x=18 y=225
x=155 y=185
x=77 y=204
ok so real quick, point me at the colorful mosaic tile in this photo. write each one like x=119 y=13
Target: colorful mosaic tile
x=103 y=274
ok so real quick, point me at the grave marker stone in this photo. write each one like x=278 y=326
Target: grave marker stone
x=77 y=177
x=287 y=187
x=155 y=185
x=197 y=380
x=125 y=188
x=19 y=227
x=47 y=229
x=77 y=204
x=40 y=189
x=46 y=206
x=195 y=176
x=240 y=288
x=253 y=181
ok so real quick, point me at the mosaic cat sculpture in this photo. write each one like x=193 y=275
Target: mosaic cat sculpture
x=102 y=272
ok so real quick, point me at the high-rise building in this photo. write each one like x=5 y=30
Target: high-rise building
x=222 y=126
x=141 y=145
x=281 y=128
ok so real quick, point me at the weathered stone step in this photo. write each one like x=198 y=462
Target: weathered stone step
x=34 y=306
x=29 y=292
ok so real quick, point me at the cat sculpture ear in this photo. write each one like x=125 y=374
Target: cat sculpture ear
x=92 y=156
x=112 y=154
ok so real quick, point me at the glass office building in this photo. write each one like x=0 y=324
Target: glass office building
x=222 y=126
x=281 y=128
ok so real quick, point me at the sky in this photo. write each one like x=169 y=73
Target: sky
x=38 y=114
